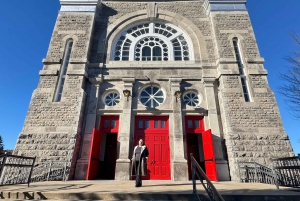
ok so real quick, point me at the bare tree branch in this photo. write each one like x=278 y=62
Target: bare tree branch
x=291 y=88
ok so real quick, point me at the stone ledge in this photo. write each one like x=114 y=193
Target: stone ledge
x=79 y=61
x=51 y=61
x=139 y=63
x=257 y=72
x=77 y=72
x=48 y=72
x=259 y=60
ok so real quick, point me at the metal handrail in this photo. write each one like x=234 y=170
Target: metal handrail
x=210 y=189
x=284 y=172
x=288 y=171
x=50 y=171
x=15 y=169
x=255 y=172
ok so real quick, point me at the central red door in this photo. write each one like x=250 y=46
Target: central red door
x=155 y=132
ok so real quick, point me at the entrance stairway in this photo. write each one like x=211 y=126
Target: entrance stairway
x=151 y=190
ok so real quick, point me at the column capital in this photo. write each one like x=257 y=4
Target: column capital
x=175 y=81
x=128 y=79
x=96 y=80
x=209 y=80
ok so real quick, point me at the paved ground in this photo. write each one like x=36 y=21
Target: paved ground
x=110 y=189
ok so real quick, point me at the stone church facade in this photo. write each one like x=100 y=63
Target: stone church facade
x=186 y=76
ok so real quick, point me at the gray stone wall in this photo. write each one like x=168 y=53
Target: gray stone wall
x=253 y=130
x=52 y=129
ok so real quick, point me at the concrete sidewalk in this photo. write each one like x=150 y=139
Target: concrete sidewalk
x=151 y=190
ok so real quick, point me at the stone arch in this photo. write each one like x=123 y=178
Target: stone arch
x=196 y=36
x=240 y=39
x=64 y=43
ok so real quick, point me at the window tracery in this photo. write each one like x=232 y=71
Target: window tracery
x=152 y=96
x=191 y=99
x=112 y=98
x=155 y=41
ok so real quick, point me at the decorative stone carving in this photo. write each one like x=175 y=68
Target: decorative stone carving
x=152 y=10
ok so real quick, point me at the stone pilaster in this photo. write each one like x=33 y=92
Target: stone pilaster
x=212 y=123
x=179 y=163
x=90 y=124
x=123 y=163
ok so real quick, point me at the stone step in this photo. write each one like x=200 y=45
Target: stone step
x=9 y=196
x=151 y=190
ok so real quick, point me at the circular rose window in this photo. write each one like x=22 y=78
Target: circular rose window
x=191 y=99
x=152 y=97
x=112 y=99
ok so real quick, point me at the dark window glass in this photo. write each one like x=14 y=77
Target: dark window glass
x=197 y=124
x=163 y=124
x=146 y=51
x=156 y=51
x=241 y=70
x=146 y=124
x=190 y=124
x=140 y=124
x=113 y=124
x=63 y=72
x=106 y=124
x=156 y=124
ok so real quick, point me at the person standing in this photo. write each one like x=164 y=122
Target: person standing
x=139 y=162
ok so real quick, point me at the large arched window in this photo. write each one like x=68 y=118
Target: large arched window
x=155 y=41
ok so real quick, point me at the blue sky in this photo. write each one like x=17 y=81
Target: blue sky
x=26 y=28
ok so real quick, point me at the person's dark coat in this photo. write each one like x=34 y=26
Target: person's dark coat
x=143 y=160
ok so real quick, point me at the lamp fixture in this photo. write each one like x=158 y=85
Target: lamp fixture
x=177 y=94
x=126 y=93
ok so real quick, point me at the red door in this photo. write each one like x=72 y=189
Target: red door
x=155 y=132
x=93 y=164
x=209 y=156
x=195 y=125
x=109 y=126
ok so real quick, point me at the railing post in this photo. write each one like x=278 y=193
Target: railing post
x=49 y=170
x=255 y=170
x=247 y=174
x=31 y=170
x=193 y=173
x=275 y=175
x=239 y=171
x=64 y=175
x=3 y=169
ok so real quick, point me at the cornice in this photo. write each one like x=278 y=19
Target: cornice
x=225 y=5
x=78 y=5
x=78 y=2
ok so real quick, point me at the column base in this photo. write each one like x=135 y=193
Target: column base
x=223 y=170
x=80 y=171
x=123 y=170
x=180 y=171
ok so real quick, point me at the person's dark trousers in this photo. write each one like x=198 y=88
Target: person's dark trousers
x=138 y=178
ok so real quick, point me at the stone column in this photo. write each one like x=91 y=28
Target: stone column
x=212 y=122
x=123 y=162
x=90 y=124
x=179 y=163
